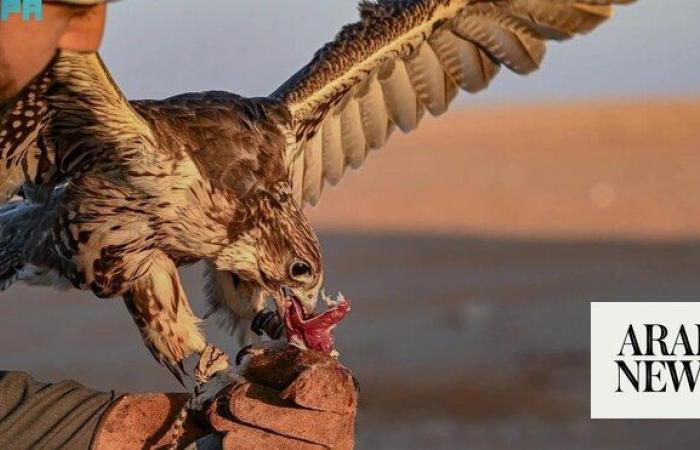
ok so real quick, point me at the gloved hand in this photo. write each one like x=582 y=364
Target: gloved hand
x=291 y=399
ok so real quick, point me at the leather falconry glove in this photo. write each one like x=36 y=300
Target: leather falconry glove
x=291 y=399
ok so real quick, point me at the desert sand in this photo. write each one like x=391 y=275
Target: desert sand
x=471 y=250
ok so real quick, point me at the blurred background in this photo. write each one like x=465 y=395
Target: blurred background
x=471 y=248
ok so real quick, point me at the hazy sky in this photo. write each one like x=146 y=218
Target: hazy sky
x=158 y=48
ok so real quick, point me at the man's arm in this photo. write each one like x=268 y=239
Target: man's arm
x=291 y=399
x=48 y=415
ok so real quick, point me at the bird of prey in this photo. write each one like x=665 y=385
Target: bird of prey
x=117 y=194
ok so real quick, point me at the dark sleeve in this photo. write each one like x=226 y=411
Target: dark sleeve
x=48 y=415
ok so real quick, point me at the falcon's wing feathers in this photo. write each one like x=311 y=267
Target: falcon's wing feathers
x=403 y=57
x=70 y=120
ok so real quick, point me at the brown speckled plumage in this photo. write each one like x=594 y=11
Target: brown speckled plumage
x=117 y=194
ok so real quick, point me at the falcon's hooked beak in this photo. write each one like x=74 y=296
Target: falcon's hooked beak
x=301 y=325
x=306 y=300
x=271 y=322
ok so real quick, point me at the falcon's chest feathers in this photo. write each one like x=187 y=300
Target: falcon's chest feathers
x=170 y=175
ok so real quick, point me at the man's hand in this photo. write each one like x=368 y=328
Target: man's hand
x=291 y=399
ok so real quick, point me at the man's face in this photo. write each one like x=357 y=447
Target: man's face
x=26 y=47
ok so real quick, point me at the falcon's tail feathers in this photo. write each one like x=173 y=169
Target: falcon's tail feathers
x=11 y=261
x=24 y=243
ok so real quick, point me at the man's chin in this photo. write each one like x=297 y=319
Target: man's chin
x=8 y=86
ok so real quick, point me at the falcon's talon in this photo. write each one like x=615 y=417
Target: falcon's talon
x=208 y=390
x=268 y=322
x=211 y=361
x=242 y=353
x=212 y=374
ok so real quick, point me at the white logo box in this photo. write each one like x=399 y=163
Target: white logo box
x=610 y=322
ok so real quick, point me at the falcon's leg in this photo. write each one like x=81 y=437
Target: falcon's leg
x=235 y=302
x=158 y=304
x=212 y=361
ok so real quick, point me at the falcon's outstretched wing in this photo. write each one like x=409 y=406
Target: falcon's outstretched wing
x=406 y=56
x=69 y=120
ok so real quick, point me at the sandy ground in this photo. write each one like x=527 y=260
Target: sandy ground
x=471 y=253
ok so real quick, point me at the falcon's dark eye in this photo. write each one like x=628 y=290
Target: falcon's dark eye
x=299 y=269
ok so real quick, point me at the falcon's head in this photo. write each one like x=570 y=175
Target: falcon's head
x=273 y=253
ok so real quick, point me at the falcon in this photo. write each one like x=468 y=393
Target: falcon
x=111 y=195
